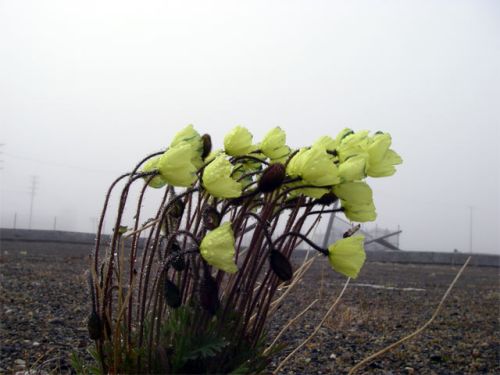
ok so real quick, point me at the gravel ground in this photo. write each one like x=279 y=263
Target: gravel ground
x=44 y=306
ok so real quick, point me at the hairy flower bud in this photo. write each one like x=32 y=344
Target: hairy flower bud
x=176 y=209
x=178 y=263
x=211 y=218
x=207 y=145
x=272 y=178
x=280 y=265
x=172 y=294
x=327 y=199
x=209 y=294
x=94 y=326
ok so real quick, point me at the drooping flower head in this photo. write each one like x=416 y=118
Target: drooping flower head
x=314 y=166
x=217 y=248
x=274 y=145
x=150 y=166
x=218 y=181
x=238 y=141
x=357 y=200
x=353 y=168
x=176 y=167
x=347 y=255
x=381 y=158
x=190 y=136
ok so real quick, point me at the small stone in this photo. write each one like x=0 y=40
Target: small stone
x=333 y=356
x=410 y=370
x=36 y=343
x=476 y=353
x=20 y=363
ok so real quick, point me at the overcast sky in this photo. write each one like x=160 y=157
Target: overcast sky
x=88 y=88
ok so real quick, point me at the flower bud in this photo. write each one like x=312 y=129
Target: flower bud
x=327 y=199
x=211 y=218
x=280 y=265
x=207 y=145
x=178 y=263
x=176 y=209
x=94 y=326
x=209 y=294
x=272 y=178
x=172 y=294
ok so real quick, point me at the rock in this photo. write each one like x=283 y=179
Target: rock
x=20 y=364
x=476 y=353
x=410 y=370
x=57 y=321
x=333 y=356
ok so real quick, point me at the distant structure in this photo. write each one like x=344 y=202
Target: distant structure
x=375 y=238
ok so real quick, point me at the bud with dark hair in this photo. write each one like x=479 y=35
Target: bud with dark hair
x=280 y=265
x=178 y=262
x=94 y=325
x=207 y=145
x=209 y=294
x=272 y=178
x=172 y=294
x=327 y=199
x=176 y=209
x=211 y=218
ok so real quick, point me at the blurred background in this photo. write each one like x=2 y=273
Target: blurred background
x=89 y=88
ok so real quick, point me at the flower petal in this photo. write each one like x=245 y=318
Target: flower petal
x=347 y=255
x=217 y=248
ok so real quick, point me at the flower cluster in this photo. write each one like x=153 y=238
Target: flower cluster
x=331 y=165
x=221 y=241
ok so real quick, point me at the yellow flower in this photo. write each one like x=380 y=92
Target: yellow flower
x=273 y=145
x=353 y=144
x=347 y=255
x=314 y=166
x=357 y=201
x=217 y=248
x=382 y=159
x=353 y=168
x=150 y=166
x=176 y=167
x=328 y=143
x=217 y=179
x=192 y=137
x=238 y=141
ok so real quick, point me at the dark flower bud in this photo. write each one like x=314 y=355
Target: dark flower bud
x=207 y=145
x=272 y=178
x=327 y=199
x=174 y=246
x=94 y=325
x=280 y=265
x=178 y=263
x=176 y=209
x=211 y=218
x=172 y=294
x=209 y=294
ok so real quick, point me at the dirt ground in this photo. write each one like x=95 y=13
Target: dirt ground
x=44 y=304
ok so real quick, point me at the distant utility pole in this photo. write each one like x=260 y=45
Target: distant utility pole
x=15 y=220
x=55 y=222
x=470 y=228
x=34 y=181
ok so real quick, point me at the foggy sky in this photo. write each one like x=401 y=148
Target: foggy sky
x=89 y=88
